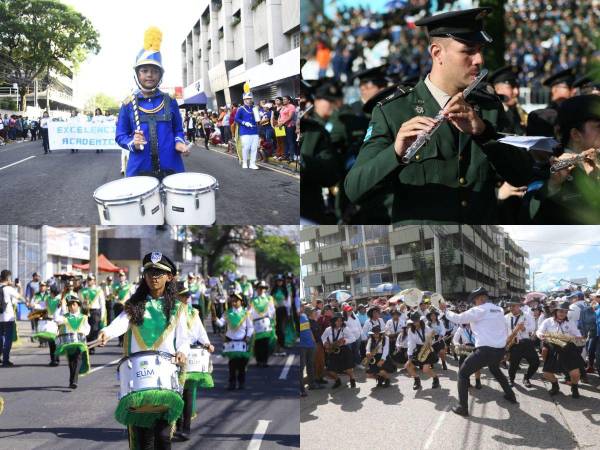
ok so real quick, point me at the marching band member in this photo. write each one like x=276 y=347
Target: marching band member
x=563 y=355
x=77 y=352
x=38 y=302
x=54 y=307
x=400 y=354
x=439 y=346
x=153 y=319
x=378 y=350
x=353 y=324
x=463 y=336
x=523 y=326
x=262 y=313
x=93 y=297
x=394 y=326
x=239 y=328
x=489 y=328
x=193 y=380
x=374 y=320
x=281 y=295
x=538 y=317
x=339 y=359
x=246 y=287
x=418 y=334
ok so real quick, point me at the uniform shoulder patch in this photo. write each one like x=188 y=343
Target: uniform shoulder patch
x=400 y=92
x=127 y=100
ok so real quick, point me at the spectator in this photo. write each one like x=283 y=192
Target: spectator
x=44 y=129
x=307 y=345
x=190 y=126
x=7 y=317
x=279 y=131
x=287 y=118
x=35 y=124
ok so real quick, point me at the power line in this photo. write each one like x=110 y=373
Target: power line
x=559 y=243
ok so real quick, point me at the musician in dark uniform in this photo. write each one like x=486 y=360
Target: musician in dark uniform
x=587 y=84
x=452 y=177
x=541 y=121
x=320 y=165
x=506 y=86
x=571 y=195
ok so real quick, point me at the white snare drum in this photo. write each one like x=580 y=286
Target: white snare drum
x=47 y=326
x=262 y=325
x=130 y=201
x=234 y=346
x=70 y=338
x=147 y=370
x=198 y=360
x=190 y=199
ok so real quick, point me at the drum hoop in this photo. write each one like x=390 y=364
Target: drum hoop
x=128 y=200
x=142 y=353
x=204 y=190
x=67 y=334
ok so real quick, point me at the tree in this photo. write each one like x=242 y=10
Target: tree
x=102 y=101
x=39 y=36
x=275 y=254
x=424 y=266
x=212 y=242
x=225 y=264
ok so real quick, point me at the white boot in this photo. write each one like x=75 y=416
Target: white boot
x=253 y=150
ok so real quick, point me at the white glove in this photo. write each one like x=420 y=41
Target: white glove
x=248 y=124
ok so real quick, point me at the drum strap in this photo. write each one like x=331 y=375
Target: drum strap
x=151 y=120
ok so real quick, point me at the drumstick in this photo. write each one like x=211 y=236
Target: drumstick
x=135 y=115
x=95 y=343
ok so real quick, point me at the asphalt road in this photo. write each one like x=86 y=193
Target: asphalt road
x=41 y=412
x=57 y=189
x=398 y=418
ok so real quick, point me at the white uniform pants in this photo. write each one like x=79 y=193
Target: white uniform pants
x=249 y=148
x=124 y=160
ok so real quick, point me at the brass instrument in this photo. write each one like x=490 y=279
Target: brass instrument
x=366 y=361
x=564 y=163
x=463 y=349
x=37 y=314
x=512 y=338
x=522 y=115
x=426 y=349
x=334 y=347
x=561 y=340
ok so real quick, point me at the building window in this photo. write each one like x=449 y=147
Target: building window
x=357 y=259
x=377 y=278
x=375 y=231
x=295 y=40
x=378 y=255
x=236 y=18
x=263 y=54
x=355 y=234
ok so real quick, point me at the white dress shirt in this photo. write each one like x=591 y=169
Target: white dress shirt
x=402 y=341
x=177 y=340
x=198 y=332
x=550 y=325
x=244 y=331
x=512 y=321
x=11 y=297
x=368 y=326
x=487 y=323
x=462 y=336
x=353 y=324
x=383 y=347
x=438 y=327
x=344 y=333
x=416 y=338
x=392 y=327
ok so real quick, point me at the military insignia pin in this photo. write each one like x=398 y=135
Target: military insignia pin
x=419 y=109
x=155 y=257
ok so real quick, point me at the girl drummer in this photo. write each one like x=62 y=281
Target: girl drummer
x=262 y=313
x=74 y=323
x=378 y=349
x=339 y=358
x=153 y=320
x=434 y=323
x=417 y=335
x=193 y=380
x=239 y=329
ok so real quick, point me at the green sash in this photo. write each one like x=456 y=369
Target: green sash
x=279 y=297
x=261 y=304
x=52 y=304
x=235 y=319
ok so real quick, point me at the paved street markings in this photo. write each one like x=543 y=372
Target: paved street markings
x=438 y=424
x=18 y=162
x=286 y=368
x=259 y=434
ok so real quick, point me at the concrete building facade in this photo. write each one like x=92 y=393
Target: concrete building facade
x=238 y=41
x=451 y=259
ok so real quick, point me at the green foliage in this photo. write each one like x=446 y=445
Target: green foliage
x=225 y=263
x=102 y=101
x=40 y=36
x=424 y=267
x=276 y=254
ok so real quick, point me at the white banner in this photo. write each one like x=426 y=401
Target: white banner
x=83 y=135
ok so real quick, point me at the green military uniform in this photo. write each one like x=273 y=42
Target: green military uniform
x=452 y=177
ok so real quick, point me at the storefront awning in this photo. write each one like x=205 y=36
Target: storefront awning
x=104 y=265
x=198 y=99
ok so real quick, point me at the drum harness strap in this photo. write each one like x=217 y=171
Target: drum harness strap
x=151 y=120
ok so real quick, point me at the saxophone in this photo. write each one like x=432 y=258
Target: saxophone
x=334 y=347
x=512 y=339
x=366 y=361
x=561 y=340
x=426 y=349
x=463 y=349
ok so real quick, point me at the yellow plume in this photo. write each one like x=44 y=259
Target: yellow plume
x=152 y=39
x=246 y=87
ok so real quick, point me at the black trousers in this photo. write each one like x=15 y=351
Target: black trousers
x=94 y=321
x=261 y=350
x=74 y=366
x=156 y=438
x=481 y=357
x=52 y=347
x=237 y=369
x=46 y=142
x=523 y=349
x=185 y=421
x=281 y=316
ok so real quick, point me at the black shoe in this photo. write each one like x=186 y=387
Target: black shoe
x=337 y=384
x=527 y=383
x=511 y=382
x=460 y=411
x=444 y=366
x=575 y=391
x=386 y=383
x=7 y=364
x=231 y=387
x=92 y=351
x=352 y=383
x=436 y=383
x=417 y=385
x=510 y=398
x=554 y=389
x=73 y=385
x=379 y=381
x=477 y=383
x=53 y=364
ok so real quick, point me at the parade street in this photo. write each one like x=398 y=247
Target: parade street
x=57 y=188
x=41 y=412
x=398 y=418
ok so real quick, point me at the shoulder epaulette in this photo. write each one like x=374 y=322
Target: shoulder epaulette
x=127 y=100
x=400 y=92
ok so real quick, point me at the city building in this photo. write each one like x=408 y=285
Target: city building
x=451 y=259
x=239 y=41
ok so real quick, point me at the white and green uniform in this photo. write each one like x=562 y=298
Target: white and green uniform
x=39 y=300
x=74 y=323
x=247 y=290
x=122 y=292
x=53 y=307
x=239 y=328
x=94 y=296
x=262 y=313
x=197 y=335
x=156 y=333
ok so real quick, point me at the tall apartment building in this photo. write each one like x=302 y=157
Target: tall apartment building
x=238 y=41
x=453 y=259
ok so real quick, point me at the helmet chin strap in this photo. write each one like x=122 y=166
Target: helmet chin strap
x=144 y=90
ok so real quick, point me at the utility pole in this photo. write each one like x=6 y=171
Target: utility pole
x=13 y=250
x=437 y=261
x=94 y=250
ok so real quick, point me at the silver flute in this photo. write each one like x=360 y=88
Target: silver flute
x=423 y=138
x=564 y=163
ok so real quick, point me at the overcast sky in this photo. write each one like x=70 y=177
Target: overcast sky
x=555 y=251
x=121 y=25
